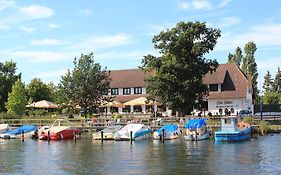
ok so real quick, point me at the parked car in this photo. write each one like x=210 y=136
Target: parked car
x=244 y=113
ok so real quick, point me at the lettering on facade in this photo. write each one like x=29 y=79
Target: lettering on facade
x=225 y=104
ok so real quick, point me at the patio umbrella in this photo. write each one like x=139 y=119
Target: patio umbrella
x=43 y=104
x=140 y=101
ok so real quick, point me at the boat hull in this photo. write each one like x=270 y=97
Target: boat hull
x=64 y=134
x=233 y=136
x=167 y=135
x=191 y=137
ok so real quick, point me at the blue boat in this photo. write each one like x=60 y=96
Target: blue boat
x=232 y=130
x=171 y=131
x=196 y=130
x=27 y=130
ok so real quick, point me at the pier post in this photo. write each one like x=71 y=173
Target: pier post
x=101 y=136
x=131 y=137
x=74 y=136
x=22 y=136
x=163 y=135
x=49 y=136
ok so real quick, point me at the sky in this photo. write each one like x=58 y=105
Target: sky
x=43 y=37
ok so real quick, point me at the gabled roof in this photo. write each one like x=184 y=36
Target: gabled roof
x=238 y=78
x=128 y=78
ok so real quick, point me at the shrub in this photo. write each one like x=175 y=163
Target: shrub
x=7 y=116
x=263 y=127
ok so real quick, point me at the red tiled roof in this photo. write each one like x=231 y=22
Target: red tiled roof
x=125 y=98
x=239 y=80
x=128 y=78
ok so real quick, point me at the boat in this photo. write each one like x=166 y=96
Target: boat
x=171 y=131
x=108 y=132
x=3 y=128
x=138 y=130
x=60 y=129
x=25 y=130
x=232 y=130
x=196 y=130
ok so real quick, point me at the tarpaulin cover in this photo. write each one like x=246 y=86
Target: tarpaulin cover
x=195 y=123
x=168 y=128
x=24 y=128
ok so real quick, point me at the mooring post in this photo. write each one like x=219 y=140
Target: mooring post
x=49 y=136
x=22 y=136
x=74 y=136
x=131 y=137
x=163 y=135
x=101 y=136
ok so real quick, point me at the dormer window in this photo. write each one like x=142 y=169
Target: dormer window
x=213 y=87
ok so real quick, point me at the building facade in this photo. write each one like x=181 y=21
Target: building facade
x=229 y=90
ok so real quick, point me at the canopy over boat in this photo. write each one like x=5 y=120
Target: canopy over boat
x=24 y=128
x=195 y=123
x=168 y=128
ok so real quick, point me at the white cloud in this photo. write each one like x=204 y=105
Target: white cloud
x=195 y=4
x=229 y=21
x=86 y=12
x=105 y=41
x=224 y=3
x=53 y=25
x=36 y=12
x=28 y=30
x=6 y=4
x=47 y=42
x=52 y=74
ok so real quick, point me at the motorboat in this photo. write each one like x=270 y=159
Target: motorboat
x=171 y=131
x=232 y=130
x=108 y=133
x=3 y=128
x=196 y=130
x=23 y=131
x=60 y=129
x=134 y=131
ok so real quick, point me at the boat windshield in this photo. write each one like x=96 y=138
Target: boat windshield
x=60 y=122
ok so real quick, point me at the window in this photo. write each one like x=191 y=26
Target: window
x=213 y=87
x=105 y=92
x=137 y=90
x=126 y=91
x=114 y=91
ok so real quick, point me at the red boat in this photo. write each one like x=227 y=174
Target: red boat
x=61 y=129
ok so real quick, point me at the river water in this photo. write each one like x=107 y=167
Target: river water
x=261 y=156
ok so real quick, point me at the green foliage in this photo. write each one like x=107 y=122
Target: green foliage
x=276 y=85
x=85 y=85
x=117 y=116
x=7 y=78
x=267 y=84
x=17 y=99
x=37 y=90
x=179 y=70
x=272 y=98
x=7 y=116
x=263 y=127
x=236 y=58
x=249 y=120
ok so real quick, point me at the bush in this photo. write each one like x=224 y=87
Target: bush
x=249 y=120
x=116 y=116
x=263 y=127
x=7 y=116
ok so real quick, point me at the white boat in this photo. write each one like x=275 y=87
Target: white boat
x=139 y=131
x=3 y=128
x=196 y=130
x=108 y=132
x=171 y=131
x=25 y=130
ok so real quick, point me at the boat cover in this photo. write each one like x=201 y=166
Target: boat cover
x=24 y=128
x=168 y=127
x=195 y=123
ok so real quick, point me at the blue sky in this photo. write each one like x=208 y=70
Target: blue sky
x=43 y=37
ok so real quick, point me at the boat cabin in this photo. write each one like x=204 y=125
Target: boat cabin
x=229 y=124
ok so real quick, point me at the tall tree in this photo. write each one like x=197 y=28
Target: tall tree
x=17 y=99
x=236 y=58
x=267 y=84
x=251 y=65
x=8 y=77
x=85 y=85
x=276 y=86
x=37 y=90
x=177 y=81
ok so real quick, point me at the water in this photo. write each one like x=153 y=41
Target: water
x=261 y=156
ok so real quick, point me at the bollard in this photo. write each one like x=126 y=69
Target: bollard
x=74 y=137
x=49 y=136
x=196 y=135
x=163 y=135
x=22 y=136
x=131 y=137
x=101 y=136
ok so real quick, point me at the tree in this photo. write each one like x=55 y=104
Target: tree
x=85 y=85
x=272 y=98
x=276 y=86
x=236 y=58
x=8 y=77
x=37 y=90
x=267 y=84
x=179 y=70
x=17 y=99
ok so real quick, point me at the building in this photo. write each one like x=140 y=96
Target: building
x=229 y=89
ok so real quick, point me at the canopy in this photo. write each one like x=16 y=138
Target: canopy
x=24 y=128
x=43 y=104
x=140 y=101
x=113 y=104
x=168 y=128
x=195 y=123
